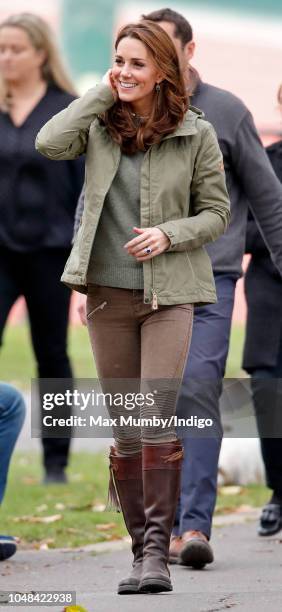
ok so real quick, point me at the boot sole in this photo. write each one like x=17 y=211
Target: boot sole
x=128 y=589
x=152 y=585
x=196 y=554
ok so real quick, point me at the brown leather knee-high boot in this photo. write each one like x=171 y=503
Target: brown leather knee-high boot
x=126 y=494
x=161 y=487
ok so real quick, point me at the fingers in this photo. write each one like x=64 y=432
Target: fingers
x=134 y=242
x=147 y=238
x=82 y=315
x=106 y=77
x=109 y=80
x=143 y=234
x=155 y=250
x=141 y=246
x=81 y=309
x=139 y=252
x=113 y=84
x=145 y=257
x=153 y=238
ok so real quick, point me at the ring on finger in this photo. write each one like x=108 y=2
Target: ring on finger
x=148 y=250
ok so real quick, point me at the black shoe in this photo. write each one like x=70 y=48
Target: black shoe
x=55 y=477
x=8 y=547
x=270 y=520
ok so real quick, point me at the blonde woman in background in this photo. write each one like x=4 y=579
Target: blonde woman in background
x=37 y=202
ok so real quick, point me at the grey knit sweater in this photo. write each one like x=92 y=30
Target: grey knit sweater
x=110 y=263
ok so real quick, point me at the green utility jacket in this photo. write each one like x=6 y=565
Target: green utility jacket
x=182 y=192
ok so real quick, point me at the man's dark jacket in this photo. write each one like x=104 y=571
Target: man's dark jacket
x=263 y=289
x=250 y=179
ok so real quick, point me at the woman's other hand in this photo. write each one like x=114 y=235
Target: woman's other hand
x=109 y=80
x=149 y=238
x=81 y=308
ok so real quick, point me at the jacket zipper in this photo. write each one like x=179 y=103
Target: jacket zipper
x=154 y=294
x=154 y=301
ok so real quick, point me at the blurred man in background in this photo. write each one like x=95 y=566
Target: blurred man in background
x=250 y=179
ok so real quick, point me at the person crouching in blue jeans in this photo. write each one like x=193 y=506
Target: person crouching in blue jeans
x=12 y=414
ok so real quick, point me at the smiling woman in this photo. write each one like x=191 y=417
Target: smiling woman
x=152 y=98
x=153 y=169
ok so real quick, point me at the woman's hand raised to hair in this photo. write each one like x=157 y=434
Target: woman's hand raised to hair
x=109 y=80
x=148 y=238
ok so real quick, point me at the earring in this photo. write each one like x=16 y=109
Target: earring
x=158 y=88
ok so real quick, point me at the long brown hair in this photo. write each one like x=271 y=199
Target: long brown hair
x=169 y=104
x=41 y=37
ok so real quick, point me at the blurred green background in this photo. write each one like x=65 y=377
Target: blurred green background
x=87 y=25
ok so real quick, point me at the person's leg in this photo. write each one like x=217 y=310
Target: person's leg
x=12 y=413
x=48 y=302
x=267 y=396
x=165 y=340
x=199 y=395
x=115 y=338
x=10 y=288
x=11 y=403
x=272 y=457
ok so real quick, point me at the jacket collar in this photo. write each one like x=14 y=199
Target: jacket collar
x=189 y=125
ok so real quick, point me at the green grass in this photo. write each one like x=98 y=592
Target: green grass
x=252 y=495
x=79 y=523
x=17 y=362
x=233 y=369
x=27 y=497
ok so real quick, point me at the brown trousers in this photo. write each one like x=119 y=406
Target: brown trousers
x=131 y=341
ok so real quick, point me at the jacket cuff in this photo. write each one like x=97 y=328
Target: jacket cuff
x=104 y=93
x=164 y=227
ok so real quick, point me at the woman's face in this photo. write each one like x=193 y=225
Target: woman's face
x=19 y=60
x=135 y=74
